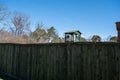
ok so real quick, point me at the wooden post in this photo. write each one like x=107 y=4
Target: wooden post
x=118 y=29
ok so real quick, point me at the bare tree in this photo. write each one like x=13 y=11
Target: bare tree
x=3 y=12
x=3 y=15
x=21 y=24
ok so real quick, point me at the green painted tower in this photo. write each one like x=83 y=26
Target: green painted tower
x=72 y=36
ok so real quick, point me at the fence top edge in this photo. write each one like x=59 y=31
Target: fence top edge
x=82 y=43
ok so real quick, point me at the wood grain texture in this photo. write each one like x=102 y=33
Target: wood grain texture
x=65 y=61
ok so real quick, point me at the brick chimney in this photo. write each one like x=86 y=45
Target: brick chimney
x=118 y=29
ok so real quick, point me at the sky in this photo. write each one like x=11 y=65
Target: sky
x=90 y=17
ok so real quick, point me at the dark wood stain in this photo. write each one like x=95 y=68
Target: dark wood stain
x=60 y=61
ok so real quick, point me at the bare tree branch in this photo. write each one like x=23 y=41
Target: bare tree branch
x=21 y=24
x=3 y=12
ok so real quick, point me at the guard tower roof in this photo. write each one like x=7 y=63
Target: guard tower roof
x=77 y=32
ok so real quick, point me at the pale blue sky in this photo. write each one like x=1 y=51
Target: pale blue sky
x=89 y=16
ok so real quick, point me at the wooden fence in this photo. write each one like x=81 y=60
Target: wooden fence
x=65 y=61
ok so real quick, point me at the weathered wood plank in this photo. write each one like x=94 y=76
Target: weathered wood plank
x=65 y=61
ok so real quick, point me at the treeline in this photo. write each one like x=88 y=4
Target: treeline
x=16 y=27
